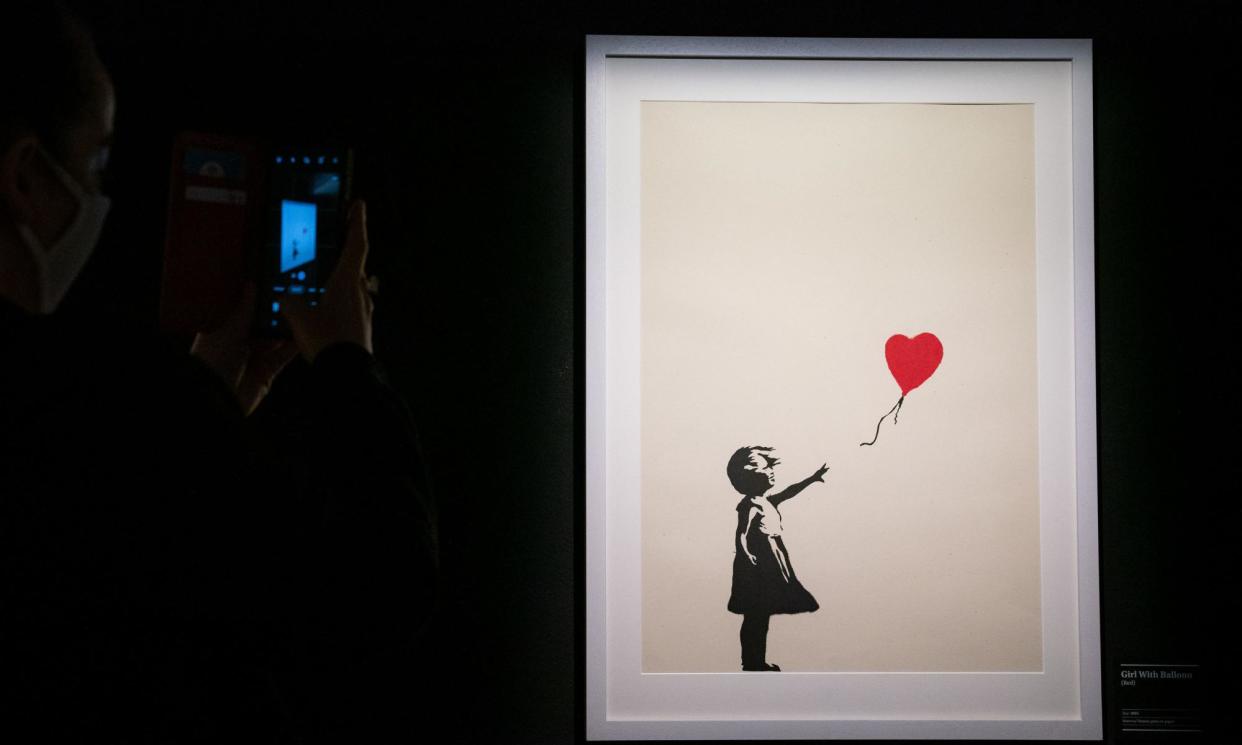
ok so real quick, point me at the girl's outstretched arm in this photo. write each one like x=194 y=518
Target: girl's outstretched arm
x=743 y=527
x=792 y=491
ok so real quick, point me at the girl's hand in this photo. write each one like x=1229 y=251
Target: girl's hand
x=754 y=560
x=819 y=475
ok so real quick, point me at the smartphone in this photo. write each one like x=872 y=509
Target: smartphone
x=308 y=195
x=241 y=209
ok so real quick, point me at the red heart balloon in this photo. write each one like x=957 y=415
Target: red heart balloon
x=912 y=361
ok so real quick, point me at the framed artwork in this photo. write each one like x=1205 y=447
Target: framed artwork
x=840 y=434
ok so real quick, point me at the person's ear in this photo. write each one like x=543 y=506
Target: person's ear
x=17 y=178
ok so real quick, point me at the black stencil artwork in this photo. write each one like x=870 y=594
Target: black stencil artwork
x=764 y=582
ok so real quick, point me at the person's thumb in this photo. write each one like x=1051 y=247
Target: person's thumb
x=297 y=313
x=294 y=308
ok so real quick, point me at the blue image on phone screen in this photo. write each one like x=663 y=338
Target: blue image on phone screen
x=297 y=234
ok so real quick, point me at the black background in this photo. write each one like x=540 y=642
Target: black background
x=467 y=122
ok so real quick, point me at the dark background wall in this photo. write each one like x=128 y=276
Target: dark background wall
x=467 y=124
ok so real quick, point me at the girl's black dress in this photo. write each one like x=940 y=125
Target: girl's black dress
x=770 y=585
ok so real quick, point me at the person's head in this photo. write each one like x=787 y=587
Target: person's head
x=751 y=470
x=56 y=113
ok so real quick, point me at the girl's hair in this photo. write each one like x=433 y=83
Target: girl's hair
x=742 y=474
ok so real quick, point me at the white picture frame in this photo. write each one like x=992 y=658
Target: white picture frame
x=1060 y=702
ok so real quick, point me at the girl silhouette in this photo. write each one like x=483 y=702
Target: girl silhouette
x=764 y=582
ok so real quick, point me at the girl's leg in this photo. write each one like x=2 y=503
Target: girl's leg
x=754 y=636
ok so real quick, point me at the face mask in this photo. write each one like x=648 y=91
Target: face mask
x=60 y=263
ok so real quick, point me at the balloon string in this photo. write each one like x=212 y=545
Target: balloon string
x=896 y=408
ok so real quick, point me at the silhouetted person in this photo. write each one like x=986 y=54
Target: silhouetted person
x=764 y=582
x=183 y=558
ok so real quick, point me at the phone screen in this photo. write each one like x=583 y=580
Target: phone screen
x=305 y=222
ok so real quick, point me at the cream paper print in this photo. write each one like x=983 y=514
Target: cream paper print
x=782 y=245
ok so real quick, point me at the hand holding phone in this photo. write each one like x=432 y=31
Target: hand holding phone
x=344 y=310
x=246 y=364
